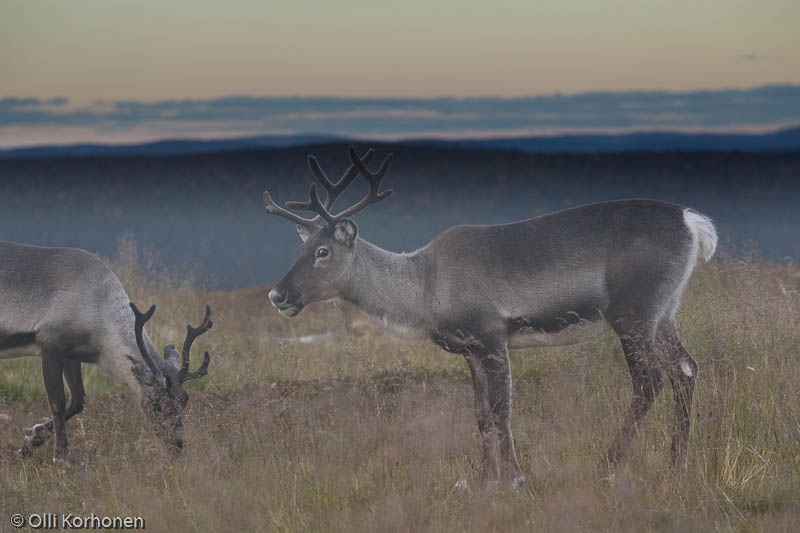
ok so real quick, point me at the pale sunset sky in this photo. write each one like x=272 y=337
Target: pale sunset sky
x=65 y=66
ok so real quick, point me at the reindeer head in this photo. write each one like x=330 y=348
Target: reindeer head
x=164 y=397
x=329 y=241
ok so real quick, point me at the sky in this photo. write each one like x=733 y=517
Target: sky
x=89 y=58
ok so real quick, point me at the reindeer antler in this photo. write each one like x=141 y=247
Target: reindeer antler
x=141 y=319
x=358 y=165
x=373 y=196
x=274 y=209
x=191 y=335
x=336 y=189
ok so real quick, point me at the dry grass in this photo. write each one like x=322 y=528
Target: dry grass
x=369 y=433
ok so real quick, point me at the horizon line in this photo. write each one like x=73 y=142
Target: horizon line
x=306 y=138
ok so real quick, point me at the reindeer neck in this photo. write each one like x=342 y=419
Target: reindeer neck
x=389 y=287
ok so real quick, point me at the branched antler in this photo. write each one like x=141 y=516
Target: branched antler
x=336 y=189
x=191 y=335
x=274 y=209
x=141 y=319
x=358 y=165
x=174 y=375
x=373 y=196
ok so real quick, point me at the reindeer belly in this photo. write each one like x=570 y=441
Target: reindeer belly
x=581 y=331
x=558 y=324
x=18 y=345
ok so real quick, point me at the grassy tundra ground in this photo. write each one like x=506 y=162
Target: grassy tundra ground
x=369 y=433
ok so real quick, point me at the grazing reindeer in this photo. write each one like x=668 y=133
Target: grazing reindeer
x=66 y=305
x=480 y=290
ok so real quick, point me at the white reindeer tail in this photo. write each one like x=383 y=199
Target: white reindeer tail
x=703 y=231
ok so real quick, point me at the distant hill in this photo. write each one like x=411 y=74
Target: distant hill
x=783 y=140
x=166 y=147
x=779 y=141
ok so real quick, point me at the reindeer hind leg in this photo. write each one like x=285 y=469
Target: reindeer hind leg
x=682 y=372
x=647 y=380
x=483 y=412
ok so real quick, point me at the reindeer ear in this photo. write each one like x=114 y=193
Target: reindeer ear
x=142 y=373
x=303 y=232
x=171 y=356
x=345 y=232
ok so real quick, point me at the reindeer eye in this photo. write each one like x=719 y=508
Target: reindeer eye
x=322 y=252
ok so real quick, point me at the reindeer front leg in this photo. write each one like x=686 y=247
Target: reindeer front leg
x=41 y=433
x=498 y=371
x=52 y=371
x=483 y=412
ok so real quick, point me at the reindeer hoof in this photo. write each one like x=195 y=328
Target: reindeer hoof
x=609 y=476
x=462 y=486
x=25 y=451
x=493 y=487
x=62 y=462
x=35 y=437
x=39 y=433
x=606 y=469
x=67 y=459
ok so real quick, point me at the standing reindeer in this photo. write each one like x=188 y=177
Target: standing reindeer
x=480 y=290
x=67 y=306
